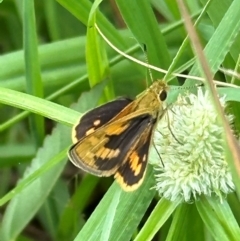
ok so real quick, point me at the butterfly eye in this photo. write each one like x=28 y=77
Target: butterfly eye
x=163 y=95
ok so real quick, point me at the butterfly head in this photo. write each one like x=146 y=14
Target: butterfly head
x=160 y=90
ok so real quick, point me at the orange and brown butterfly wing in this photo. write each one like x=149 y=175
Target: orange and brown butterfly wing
x=97 y=117
x=109 y=141
x=103 y=152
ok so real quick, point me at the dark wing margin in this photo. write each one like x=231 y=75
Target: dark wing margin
x=98 y=117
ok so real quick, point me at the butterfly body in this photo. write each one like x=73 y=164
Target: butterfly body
x=114 y=139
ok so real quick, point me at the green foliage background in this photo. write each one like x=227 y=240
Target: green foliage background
x=49 y=59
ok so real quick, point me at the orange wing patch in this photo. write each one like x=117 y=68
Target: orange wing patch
x=105 y=153
x=135 y=165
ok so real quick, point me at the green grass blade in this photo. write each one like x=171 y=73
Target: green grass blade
x=38 y=106
x=96 y=56
x=33 y=76
x=25 y=204
x=81 y=10
x=144 y=26
x=185 y=224
x=158 y=217
x=220 y=43
x=118 y=209
x=219 y=219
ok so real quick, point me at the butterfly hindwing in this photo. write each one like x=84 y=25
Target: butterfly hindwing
x=98 y=117
x=131 y=173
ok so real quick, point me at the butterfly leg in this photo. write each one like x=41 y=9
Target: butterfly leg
x=169 y=127
x=158 y=153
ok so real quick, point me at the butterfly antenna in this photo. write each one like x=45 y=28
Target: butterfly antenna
x=146 y=59
x=149 y=66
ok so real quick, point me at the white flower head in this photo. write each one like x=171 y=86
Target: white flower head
x=189 y=159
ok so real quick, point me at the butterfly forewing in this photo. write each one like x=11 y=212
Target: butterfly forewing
x=98 y=117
